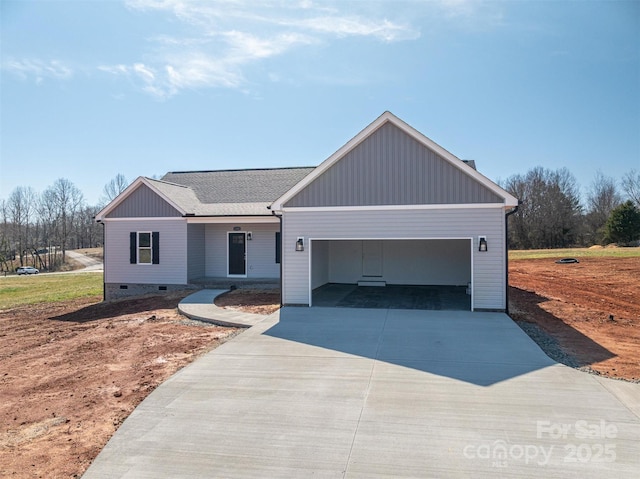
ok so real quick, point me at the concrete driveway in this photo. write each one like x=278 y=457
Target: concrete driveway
x=361 y=393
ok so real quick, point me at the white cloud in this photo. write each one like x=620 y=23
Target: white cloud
x=226 y=36
x=213 y=43
x=356 y=26
x=114 y=69
x=144 y=72
x=39 y=69
x=187 y=71
x=138 y=73
x=199 y=70
x=246 y=46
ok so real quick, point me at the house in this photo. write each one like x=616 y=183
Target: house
x=389 y=207
x=164 y=234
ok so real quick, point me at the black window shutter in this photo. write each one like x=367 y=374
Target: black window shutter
x=133 y=247
x=278 y=246
x=155 y=247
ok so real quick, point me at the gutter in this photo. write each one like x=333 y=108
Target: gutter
x=506 y=253
x=193 y=215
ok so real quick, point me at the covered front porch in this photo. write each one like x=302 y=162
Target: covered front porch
x=231 y=251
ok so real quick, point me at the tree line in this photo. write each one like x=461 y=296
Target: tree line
x=37 y=229
x=552 y=214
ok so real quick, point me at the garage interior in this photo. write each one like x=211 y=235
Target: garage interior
x=431 y=274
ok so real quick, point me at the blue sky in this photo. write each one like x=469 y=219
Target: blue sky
x=91 y=89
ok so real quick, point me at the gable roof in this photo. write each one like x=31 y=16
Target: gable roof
x=217 y=193
x=385 y=119
x=165 y=192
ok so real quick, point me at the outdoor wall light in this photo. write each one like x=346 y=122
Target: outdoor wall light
x=300 y=244
x=482 y=243
x=249 y=236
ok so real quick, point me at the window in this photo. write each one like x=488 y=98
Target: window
x=144 y=247
x=278 y=247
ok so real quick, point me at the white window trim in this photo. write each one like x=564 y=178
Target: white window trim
x=150 y=247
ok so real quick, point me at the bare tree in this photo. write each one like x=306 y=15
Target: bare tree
x=67 y=200
x=88 y=233
x=602 y=198
x=21 y=206
x=631 y=186
x=47 y=215
x=550 y=216
x=6 y=253
x=112 y=189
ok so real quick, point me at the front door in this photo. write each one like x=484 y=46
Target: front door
x=237 y=254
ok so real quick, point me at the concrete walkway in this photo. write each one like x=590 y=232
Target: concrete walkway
x=361 y=393
x=199 y=305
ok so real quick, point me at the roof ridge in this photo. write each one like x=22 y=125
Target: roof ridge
x=241 y=169
x=167 y=182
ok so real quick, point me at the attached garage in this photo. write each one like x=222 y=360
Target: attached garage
x=444 y=265
x=389 y=208
x=441 y=248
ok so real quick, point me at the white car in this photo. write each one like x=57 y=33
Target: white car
x=27 y=270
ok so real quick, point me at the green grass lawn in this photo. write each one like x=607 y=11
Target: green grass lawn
x=576 y=253
x=47 y=288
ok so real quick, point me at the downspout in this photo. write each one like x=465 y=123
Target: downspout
x=281 y=257
x=506 y=253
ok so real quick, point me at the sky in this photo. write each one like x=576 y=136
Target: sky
x=92 y=89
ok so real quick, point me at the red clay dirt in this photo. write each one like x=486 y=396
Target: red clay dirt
x=72 y=372
x=256 y=301
x=592 y=308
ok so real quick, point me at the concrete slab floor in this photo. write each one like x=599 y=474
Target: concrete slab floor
x=452 y=298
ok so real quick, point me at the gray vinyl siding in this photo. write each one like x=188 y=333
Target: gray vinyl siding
x=143 y=203
x=261 y=250
x=195 y=251
x=392 y=168
x=488 y=268
x=173 y=252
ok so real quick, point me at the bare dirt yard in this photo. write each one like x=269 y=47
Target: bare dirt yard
x=584 y=314
x=71 y=372
x=256 y=301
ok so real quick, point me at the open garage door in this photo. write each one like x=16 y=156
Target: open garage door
x=392 y=273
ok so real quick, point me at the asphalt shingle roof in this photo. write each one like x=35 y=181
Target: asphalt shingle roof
x=229 y=192
x=181 y=195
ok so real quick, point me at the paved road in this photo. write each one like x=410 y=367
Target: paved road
x=360 y=393
x=90 y=264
